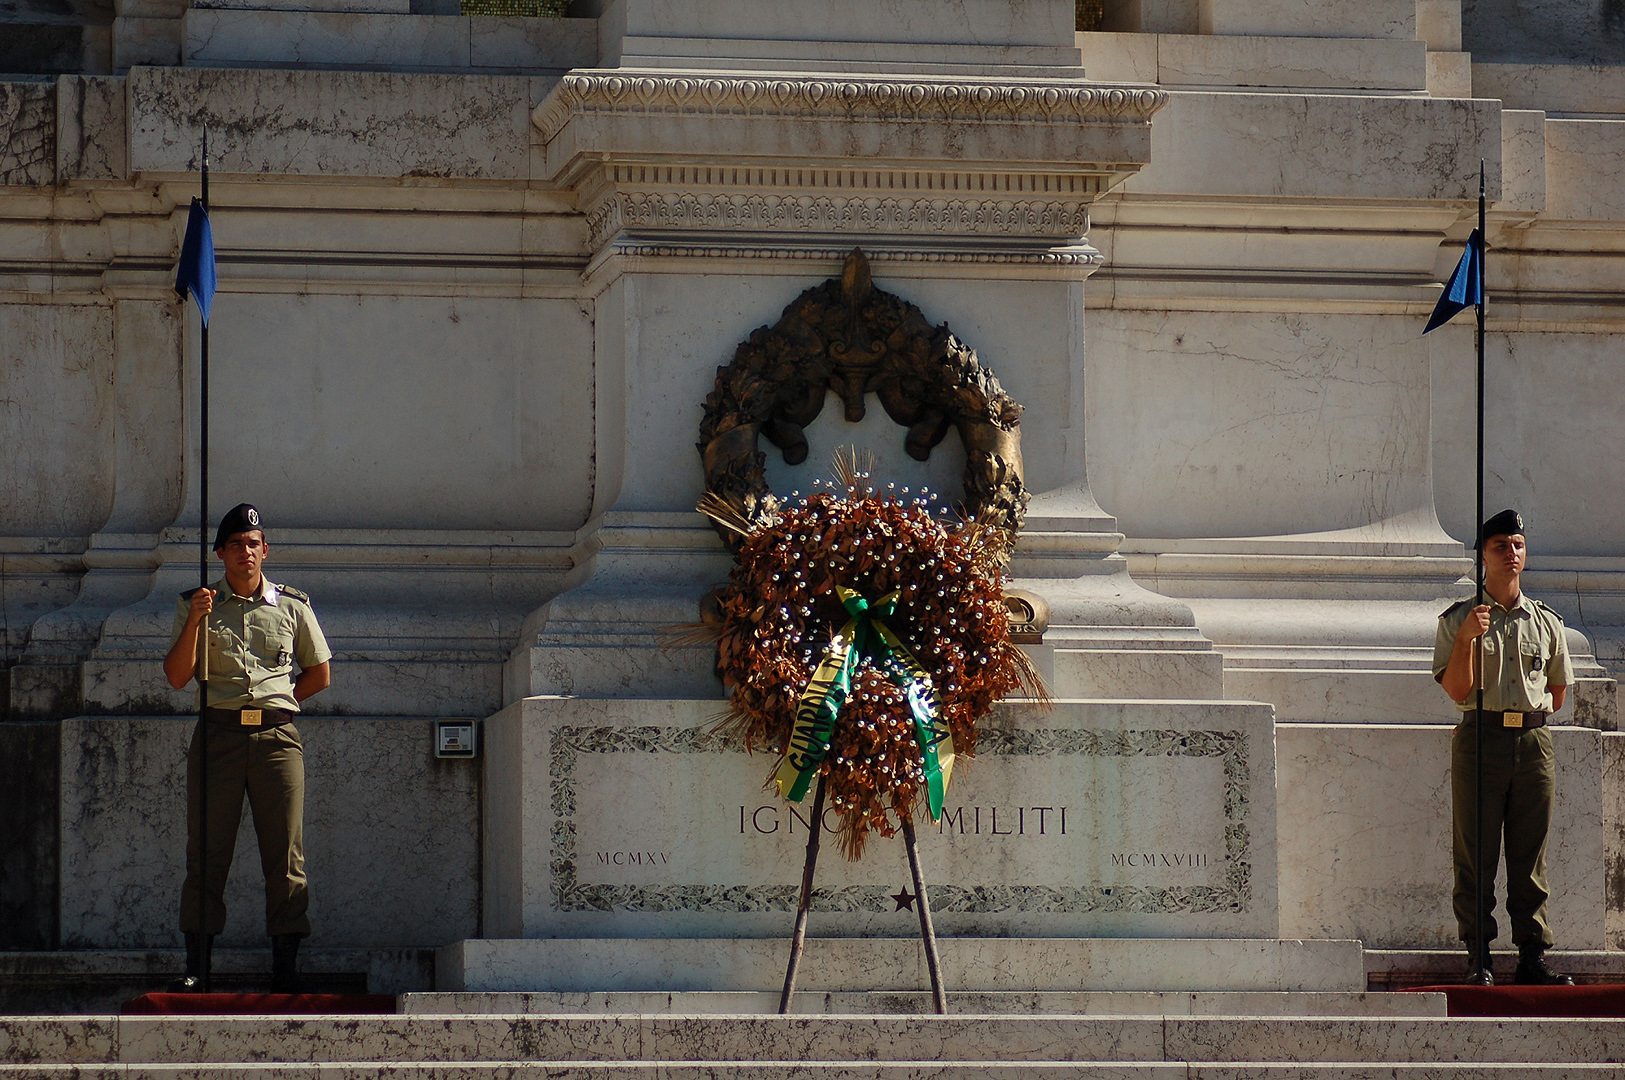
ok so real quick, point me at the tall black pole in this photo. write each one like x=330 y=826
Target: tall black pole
x=1478 y=786
x=203 y=631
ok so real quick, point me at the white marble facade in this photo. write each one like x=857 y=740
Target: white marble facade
x=477 y=275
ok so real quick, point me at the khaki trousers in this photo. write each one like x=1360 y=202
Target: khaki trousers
x=1520 y=777
x=268 y=765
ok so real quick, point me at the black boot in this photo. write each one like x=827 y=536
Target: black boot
x=1479 y=972
x=1532 y=969
x=199 y=955
x=285 y=964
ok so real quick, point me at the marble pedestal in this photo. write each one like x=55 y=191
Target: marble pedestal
x=629 y=819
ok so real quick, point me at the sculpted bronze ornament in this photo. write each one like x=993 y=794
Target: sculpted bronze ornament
x=848 y=336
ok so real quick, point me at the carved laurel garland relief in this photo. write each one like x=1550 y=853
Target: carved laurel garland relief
x=848 y=336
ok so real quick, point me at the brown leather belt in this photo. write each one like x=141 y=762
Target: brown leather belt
x=249 y=719
x=1509 y=719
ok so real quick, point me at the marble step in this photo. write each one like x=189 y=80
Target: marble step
x=558 y=1041
x=860 y=964
x=821 y=1070
x=990 y=1003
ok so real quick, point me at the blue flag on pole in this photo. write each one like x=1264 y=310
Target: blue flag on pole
x=1466 y=286
x=195 y=274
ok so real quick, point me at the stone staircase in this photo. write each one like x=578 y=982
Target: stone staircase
x=836 y=1047
x=100 y=980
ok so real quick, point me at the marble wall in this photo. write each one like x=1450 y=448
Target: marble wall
x=1251 y=424
x=1560 y=31
x=1368 y=855
x=57 y=418
x=391 y=837
x=374 y=401
x=467 y=319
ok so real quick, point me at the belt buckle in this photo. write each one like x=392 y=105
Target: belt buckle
x=1512 y=719
x=251 y=717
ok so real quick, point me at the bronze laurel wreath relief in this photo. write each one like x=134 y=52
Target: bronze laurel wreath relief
x=848 y=336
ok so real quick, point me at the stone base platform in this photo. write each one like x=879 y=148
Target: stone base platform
x=859 y=965
x=833 y=1047
x=965 y=1003
x=101 y=980
x=1399 y=969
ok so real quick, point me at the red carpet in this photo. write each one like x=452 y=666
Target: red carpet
x=1600 y=1000
x=257 y=1004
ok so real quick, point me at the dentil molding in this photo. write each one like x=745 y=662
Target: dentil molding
x=827 y=214
x=1035 y=101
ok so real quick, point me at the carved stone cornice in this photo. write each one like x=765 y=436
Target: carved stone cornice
x=1078 y=257
x=958 y=101
x=693 y=161
x=832 y=214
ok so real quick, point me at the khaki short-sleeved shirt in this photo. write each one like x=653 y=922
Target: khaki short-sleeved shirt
x=254 y=643
x=1525 y=654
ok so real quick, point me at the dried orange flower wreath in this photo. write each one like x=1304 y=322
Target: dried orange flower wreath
x=780 y=611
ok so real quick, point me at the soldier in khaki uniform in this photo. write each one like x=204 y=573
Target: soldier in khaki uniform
x=1526 y=658
x=258 y=632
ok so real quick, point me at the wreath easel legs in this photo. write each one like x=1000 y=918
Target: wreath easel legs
x=798 y=940
x=928 y=933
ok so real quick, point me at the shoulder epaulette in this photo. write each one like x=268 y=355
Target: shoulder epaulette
x=289 y=590
x=1548 y=609
x=1453 y=608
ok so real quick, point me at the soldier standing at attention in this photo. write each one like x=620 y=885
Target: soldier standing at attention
x=258 y=632
x=1527 y=674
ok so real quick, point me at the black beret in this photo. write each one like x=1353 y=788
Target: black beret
x=239 y=519
x=1505 y=523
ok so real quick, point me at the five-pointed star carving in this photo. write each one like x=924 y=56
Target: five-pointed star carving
x=905 y=899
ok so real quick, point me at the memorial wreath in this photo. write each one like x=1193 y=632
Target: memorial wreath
x=862 y=637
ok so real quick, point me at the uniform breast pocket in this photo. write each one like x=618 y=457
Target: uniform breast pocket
x=272 y=645
x=1534 y=657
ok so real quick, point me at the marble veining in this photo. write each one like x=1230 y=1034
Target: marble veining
x=344 y=123
x=1230 y=747
x=27 y=133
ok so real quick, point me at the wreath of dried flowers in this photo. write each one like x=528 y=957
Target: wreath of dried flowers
x=938 y=591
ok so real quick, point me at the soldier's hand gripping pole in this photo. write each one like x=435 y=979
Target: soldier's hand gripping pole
x=798 y=940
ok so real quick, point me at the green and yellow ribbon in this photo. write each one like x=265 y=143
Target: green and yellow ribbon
x=865 y=637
